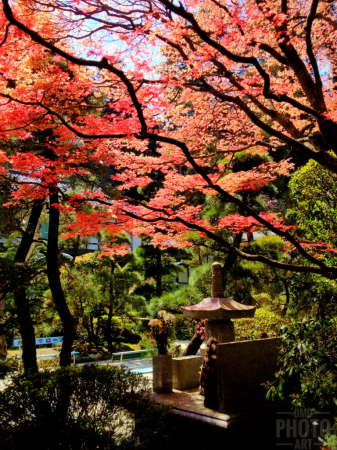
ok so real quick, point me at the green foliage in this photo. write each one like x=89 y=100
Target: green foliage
x=100 y=289
x=89 y=408
x=163 y=266
x=311 y=294
x=8 y=366
x=270 y=246
x=198 y=288
x=331 y=438
x=264 y=321
x=313 y=192
x=184 y=329
x=147 y=343
x=308 y=361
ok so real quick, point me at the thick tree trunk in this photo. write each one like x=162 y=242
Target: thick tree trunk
x=193 y=346
x=98 y=326
x=53 y=272
x=111 y=308
x=27 y=242
x=109 y=330
x=23 y=313
x=86 y=326
x=3 y=346
x=26 y=330
x=230 y=260
x=159 y=269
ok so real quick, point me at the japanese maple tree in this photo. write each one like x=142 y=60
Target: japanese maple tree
x=205 y=80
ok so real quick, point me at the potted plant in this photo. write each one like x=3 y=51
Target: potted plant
x=161 y=330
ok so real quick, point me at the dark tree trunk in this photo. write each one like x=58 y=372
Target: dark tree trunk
x=230 y=260
x=3 y=345
x=23 y=312
x=111 y=309
x=92 y=328
x=87 y=327
x=159 y=271
x=98 y=326
x=284 y=312
x=26 y=330
x=28 y=236
x=193 y=346
x=53 y=272
x=109 y=330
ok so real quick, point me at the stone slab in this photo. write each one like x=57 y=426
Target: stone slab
x=191 y=403
x=186 y=372
x=241 y=368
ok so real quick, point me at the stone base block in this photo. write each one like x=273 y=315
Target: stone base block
x=186 y=372
x=162 y=374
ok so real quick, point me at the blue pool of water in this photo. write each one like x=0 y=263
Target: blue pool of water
x=142 y=370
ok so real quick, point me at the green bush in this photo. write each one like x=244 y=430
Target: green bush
x=8 y=366
x=308 y=361
x=94 y=407
x=332 y=442
x=198 y=288
x=184 y=328
x=264 y=321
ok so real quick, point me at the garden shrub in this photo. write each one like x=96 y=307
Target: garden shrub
x=331 y=438
x=198 y=288
x=184 y=329
x=94 y=407
x=8 y=366
x=308 y=361
x=264 y=321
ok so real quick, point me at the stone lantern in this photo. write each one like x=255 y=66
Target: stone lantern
x=218 y=311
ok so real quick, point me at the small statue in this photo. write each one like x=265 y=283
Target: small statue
x=208 y=376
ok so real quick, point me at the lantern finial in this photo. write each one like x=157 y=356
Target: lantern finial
x=217 y=283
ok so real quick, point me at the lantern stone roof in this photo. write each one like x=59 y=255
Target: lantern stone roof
x=215 y=308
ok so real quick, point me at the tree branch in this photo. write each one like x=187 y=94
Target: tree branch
x=312 y=59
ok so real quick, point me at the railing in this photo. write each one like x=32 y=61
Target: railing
x=51 y=355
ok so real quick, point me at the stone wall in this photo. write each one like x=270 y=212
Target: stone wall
x=186 y=372
x=241 y=368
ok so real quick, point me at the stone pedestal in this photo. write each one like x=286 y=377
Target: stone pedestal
x=186 y=372
x=162 y=374
x=221 y=330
